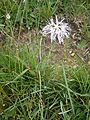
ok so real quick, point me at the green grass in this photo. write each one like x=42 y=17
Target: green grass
x=32 y=87
x=32 y=90
x=34 y=13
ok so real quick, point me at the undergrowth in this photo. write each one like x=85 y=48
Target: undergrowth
x=32 y=87
x=39 y=90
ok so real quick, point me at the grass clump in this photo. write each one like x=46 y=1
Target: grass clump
x=39 y=90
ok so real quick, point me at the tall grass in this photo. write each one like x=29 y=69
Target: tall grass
x=34 y=12
x=32 y=87
x=39 y=90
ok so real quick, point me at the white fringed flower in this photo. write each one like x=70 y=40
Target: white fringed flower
x=57 y=30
